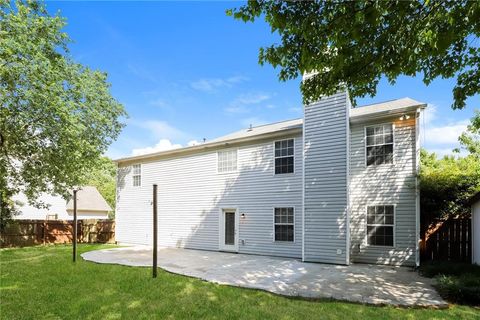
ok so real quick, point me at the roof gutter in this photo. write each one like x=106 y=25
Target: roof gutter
x=385 y=114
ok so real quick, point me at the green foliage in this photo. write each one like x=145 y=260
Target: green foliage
x=447 y=184
x=103 y=178
x=470 y=140
x=355 y=43
x=456 y=282
x=57 y=117
x=464 y=289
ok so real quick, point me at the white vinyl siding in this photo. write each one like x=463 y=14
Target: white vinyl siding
x=191 y=195
x=227 y=161
x=384 y=184
x=325 y=173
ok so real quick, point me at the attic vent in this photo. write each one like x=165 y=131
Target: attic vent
x=250 y=128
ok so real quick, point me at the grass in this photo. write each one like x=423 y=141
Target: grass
x=456 y=282
x=43 y=283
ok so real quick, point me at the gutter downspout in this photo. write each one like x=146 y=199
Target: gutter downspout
x=417 y=188
x=303 y=185
x=347 y=209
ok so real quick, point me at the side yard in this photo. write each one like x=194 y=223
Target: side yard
x=43 y=283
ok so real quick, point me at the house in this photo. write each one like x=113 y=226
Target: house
x=90 y=205
x=337 y=186
x=475 y=205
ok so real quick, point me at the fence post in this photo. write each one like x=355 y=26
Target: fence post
x=44 y=232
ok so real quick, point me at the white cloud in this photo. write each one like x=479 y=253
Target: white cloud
x=241 y=103
x=251 y=98
x=162 y=145
x=295 y=109
x=447 y=134
x=430 y=113
x=158 y=103
x=161 y=130
x=212 y=84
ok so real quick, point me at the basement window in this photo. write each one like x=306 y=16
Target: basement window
x=379 y=144
x=227 y=161
x=380 y=225
x=137 y=175
x=284 y=225
x=284 y=156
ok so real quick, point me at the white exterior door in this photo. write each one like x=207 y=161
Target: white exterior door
x=228 y=228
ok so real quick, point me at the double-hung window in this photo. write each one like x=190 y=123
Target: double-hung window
x=227 y=161
x=379 y=144
x=380 y=224
x=137 y=175
x=284 y=156
x=284 y=225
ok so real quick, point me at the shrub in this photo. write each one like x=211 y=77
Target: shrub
x=463 y=289
x=456 y=282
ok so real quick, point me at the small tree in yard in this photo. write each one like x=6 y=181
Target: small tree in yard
x=57 y=117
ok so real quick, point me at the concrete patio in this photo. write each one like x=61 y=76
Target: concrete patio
x=369 y=284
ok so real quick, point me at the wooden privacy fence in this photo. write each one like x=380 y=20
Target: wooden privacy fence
x=20 y=233
x=447 y=240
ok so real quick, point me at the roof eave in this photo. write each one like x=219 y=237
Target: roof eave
x=209 y=146
x=386 y=113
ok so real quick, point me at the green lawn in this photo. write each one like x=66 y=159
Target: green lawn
x=43 y=283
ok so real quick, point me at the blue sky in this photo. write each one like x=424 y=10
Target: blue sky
x=185 y=71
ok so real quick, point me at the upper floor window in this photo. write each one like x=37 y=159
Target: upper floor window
x=137 y=175
x=380 y=224
x=284 y=156
x=227 y=161
x=284 y=225
x=379 y=144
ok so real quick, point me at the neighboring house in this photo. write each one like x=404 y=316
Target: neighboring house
x=90 y=205
x=338 y=186
x=475 y=204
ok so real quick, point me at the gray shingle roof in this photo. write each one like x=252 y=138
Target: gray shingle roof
x=89 y=199
x=382 y=109
x=259 y=130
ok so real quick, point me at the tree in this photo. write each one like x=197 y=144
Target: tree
x=447 y=184
x=103 y=178
x=470 y=140
x=355 y=43
x=57 y=117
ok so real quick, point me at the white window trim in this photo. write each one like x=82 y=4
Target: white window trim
x=134 y=175
x=394 y=225
x=274 y=157
x=294 y=225
x=365 y=145
x=228 y=150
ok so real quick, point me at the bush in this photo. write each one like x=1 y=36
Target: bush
x=433 y=269
x=456 y=282
x=463 y=289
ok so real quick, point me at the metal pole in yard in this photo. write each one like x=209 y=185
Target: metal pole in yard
x=75 y=225
x=155 y=222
